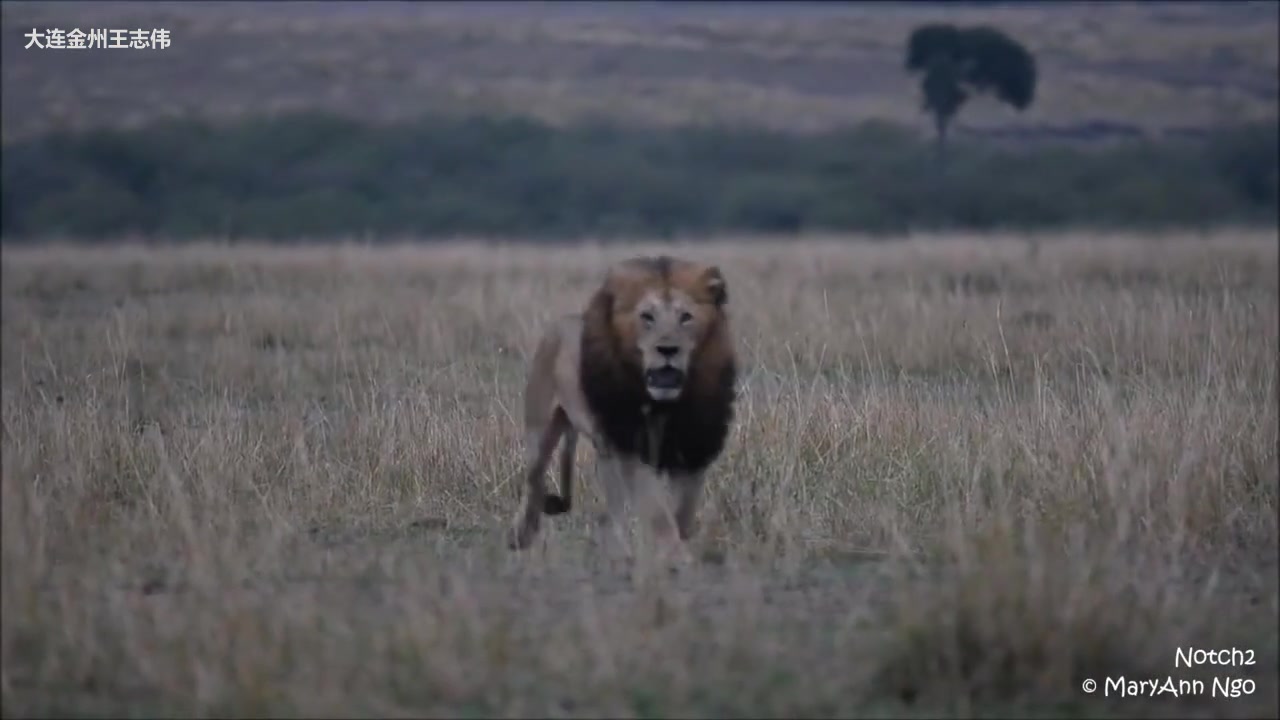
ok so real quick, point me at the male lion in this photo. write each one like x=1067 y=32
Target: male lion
x=648 y=374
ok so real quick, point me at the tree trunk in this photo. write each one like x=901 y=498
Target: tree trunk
x=941 y=122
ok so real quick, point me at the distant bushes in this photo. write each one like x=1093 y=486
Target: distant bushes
x=307 y=176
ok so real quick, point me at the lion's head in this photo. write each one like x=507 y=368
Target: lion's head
x=660 y=312
x=656 y=341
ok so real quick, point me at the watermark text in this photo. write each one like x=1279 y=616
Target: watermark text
x=1189 y=657
x=1123 y=687
x=1232 y=657
x=97 y=39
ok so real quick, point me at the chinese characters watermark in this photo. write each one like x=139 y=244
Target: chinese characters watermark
x=77 y=39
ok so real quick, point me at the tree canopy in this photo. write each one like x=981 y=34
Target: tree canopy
x=958 y=63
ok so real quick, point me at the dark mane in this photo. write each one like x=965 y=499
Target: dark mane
x=697 y=423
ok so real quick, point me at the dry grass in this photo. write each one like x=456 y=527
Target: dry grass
x=968 y=473
x=1151 y=65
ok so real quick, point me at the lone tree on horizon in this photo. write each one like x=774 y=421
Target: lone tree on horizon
x=960 y=62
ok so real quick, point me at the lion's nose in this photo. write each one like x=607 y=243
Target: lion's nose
x=668 y=351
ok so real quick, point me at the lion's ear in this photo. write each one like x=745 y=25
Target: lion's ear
x=601 y=305
x=716 y=286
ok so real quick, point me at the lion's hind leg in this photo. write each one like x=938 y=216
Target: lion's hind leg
x=563 y=503
x=539 y=444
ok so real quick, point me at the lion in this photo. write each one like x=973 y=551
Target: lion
x=648 y=374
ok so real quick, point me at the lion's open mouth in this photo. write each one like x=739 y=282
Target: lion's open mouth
x=664 y=378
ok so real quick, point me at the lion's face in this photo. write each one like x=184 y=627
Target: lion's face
x=665 y=313
x=668 y=326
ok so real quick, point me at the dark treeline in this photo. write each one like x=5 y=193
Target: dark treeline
x=310 y=176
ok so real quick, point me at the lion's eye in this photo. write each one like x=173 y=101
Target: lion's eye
x=685 y=318
x=646 y=317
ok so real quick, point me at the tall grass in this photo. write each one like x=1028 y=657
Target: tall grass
x=968 y=473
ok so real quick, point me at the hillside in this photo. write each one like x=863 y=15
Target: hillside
x=1106 y=67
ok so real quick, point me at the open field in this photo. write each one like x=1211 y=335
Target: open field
x=968 y=474
x=1144 y=67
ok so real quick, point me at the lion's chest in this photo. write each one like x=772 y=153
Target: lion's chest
x=682 y=436
x=670 y=439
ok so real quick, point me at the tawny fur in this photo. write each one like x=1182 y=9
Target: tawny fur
x=588 y=377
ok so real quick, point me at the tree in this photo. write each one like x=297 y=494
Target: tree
x=958 y=63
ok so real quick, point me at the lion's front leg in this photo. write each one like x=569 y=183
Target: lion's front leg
x=663 y=522
x=688 y=492
x=617 y=475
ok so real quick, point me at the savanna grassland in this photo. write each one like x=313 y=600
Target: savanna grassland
x=1141 y=67
x=969 y=473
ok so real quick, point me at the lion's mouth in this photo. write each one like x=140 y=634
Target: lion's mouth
x=664 y=378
